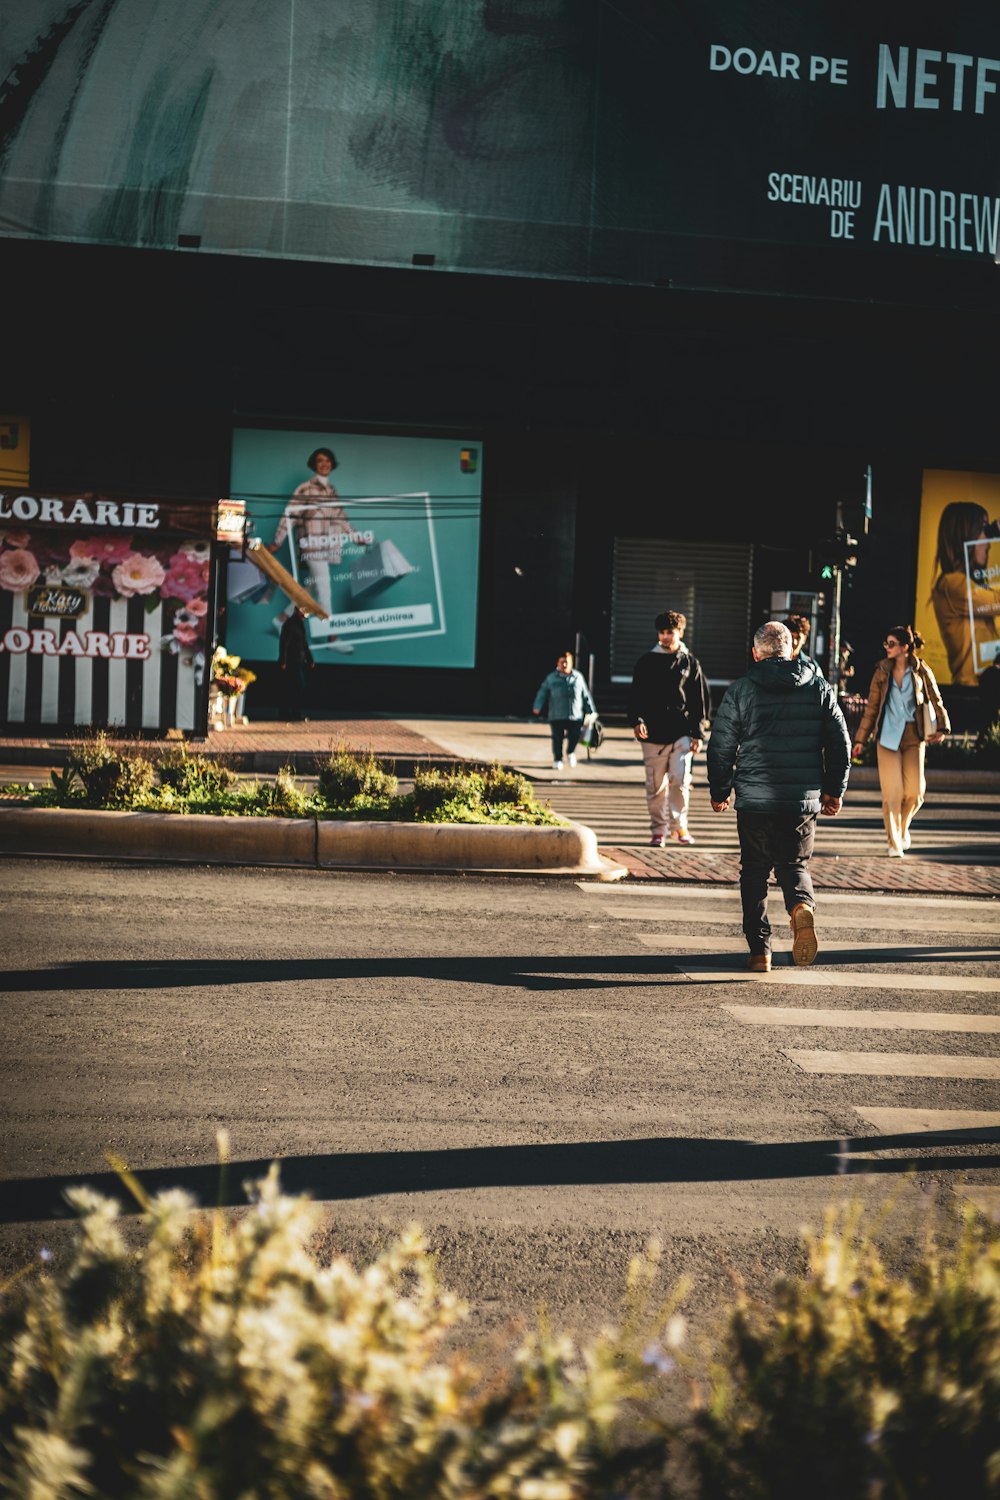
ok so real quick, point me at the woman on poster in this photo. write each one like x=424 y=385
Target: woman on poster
x=905 y=713
x=315 y=521
x=965 y=607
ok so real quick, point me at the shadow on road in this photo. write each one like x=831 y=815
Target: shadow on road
x=534 y=972
x=339 y=1176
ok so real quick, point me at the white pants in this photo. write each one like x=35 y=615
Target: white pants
x=668 y=784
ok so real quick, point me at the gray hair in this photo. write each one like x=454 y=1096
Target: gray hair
x=773 y=639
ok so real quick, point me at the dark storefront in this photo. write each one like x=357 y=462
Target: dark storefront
x=676 y=325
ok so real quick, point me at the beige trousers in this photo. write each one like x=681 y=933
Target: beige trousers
x=901 y=778
x=668 y=784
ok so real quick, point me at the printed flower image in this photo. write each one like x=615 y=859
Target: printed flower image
x=138 y=574
x=189 y=626
x=199 y=552
x=186 y=578
x=109 y=549
x=15 y=538
x=79 y=574
x=18 y=569
x=84 y=549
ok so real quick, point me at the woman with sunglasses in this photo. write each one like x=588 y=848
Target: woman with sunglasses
x=905 y=712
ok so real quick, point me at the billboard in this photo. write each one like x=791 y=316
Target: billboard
x=958 y=574
x=383 y=533
x=567 y=138
x=104 y=611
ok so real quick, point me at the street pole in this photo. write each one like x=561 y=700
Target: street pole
x=833 y=664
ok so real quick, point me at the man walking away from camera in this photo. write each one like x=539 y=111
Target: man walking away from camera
x=668 y=702
x=295 y=659
x=781 y=741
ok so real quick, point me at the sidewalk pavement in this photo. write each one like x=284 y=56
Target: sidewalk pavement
x=524 y=745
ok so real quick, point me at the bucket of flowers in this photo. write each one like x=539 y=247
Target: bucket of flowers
x=230 y=681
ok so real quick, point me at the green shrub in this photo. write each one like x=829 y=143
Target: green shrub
x=222 y=1360
x=65 y=786
x=112 y=775
x=280 y=798
x=503 y=788
x=193 y=775
x=858 y=1385
x=450 y=796
x=349 y=774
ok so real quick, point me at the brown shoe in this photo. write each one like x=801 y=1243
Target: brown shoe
x=759 y=963
x=803 y=927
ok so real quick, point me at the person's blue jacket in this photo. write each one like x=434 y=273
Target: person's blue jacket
x=780 y=739
x=564 y=695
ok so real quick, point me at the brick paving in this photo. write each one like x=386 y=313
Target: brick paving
x=828 y=872
x=255 y=746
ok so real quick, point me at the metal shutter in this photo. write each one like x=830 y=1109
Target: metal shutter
x=707 y=581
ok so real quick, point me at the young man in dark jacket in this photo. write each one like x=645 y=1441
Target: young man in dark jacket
x=781 y=740
x=667 y=704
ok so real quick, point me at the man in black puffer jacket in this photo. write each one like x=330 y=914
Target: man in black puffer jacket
x=781 y=741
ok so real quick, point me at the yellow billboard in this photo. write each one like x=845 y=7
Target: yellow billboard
x=15 y=452
x=958 y=574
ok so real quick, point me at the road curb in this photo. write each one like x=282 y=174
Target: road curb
x=325 y=844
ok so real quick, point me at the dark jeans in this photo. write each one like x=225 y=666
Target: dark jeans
x=778 y=841
x=296 y=689
x=571 y=728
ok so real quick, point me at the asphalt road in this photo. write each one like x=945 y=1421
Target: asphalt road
x=543 y=1074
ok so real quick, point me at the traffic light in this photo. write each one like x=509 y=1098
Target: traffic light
x=835 y=555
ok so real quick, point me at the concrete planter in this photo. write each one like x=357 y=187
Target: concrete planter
x=319 y=844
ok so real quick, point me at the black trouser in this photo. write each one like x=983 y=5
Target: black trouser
x=296 y=689
x=571 y=728
x=778 y=841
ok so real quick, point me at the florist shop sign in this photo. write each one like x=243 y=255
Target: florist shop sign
x=104 y=607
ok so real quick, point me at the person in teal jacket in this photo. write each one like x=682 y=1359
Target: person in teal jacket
x=564 y=698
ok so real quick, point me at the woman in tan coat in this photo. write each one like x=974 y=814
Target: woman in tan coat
x=905 y=712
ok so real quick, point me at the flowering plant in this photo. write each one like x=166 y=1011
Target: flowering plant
x=115 y=567
x=228 y=676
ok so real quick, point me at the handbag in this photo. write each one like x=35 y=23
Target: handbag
x=928 y=718
x=592 y=734
x=381 y=565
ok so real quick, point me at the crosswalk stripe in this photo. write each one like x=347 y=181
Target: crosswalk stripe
x=909 y=1121
x=839 y=951
x=896 y=1064
x=823 y=978
x=915 y=902
x=778 y=918
x=863 y=1020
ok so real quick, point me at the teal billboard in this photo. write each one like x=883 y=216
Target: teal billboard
x=381 y=531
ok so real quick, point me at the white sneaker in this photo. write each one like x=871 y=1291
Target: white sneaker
x=557 y=765
x=895 y=853
x=344 y=647
x=572 y=762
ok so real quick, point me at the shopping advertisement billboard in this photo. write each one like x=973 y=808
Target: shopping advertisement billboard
x=958 y=574
x=383 y=533
x=567 y=138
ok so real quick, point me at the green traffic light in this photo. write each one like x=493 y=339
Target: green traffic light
x=826 y=572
